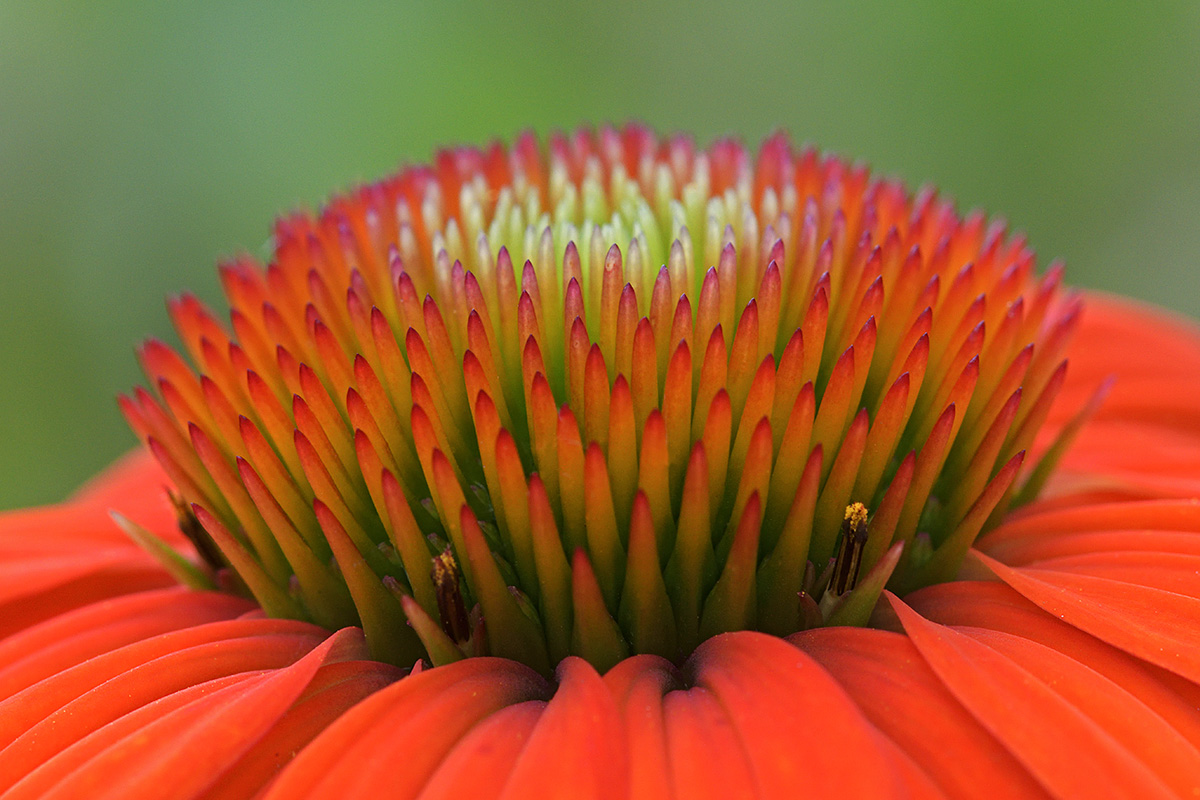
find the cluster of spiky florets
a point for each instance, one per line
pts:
(615, 397)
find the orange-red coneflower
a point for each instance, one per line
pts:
(619, 468)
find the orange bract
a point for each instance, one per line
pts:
(646, 327)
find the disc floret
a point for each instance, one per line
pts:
(613, 398)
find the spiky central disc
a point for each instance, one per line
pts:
(612, 399)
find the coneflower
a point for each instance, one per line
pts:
(514, 406)
(626, 408)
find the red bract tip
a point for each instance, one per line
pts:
(646, 434)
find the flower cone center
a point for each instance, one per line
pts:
(613, 397)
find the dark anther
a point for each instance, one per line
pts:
(191, 528)
(451, 606)
(854, 538)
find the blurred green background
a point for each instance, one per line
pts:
(142, 141)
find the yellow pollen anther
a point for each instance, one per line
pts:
(854, 538)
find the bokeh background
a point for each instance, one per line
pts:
(142, 141)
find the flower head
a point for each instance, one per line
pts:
(610, 464)
(615, 399)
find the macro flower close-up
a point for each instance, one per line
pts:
(620, 465)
